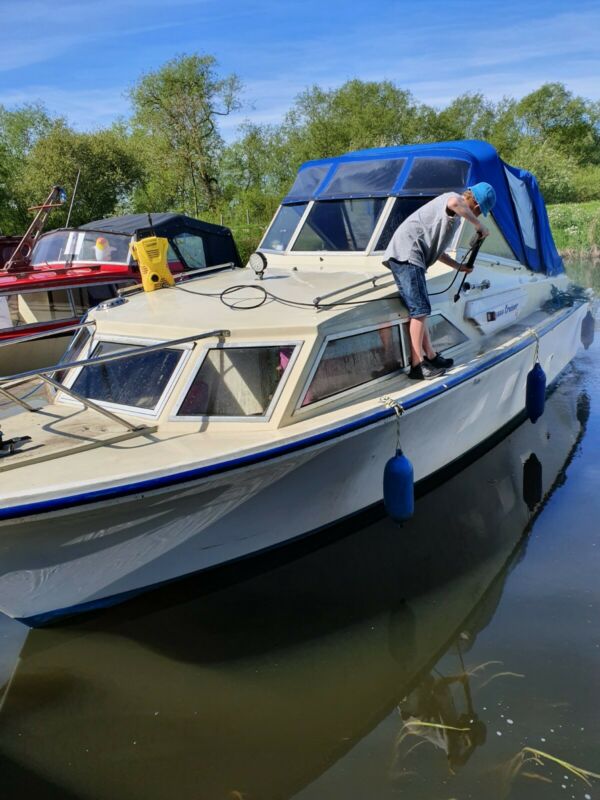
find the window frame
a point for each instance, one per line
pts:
(334, 253)
(434, 191)
(402, 333)
(60, 321)
(488, 257)
(238, 345)
(389, 208)
(361, 193)
(178, 252)
(73, 261)
(147, 413)
(307, 206)
(436, 313)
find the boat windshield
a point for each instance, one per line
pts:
(340, 225)
(61, 247)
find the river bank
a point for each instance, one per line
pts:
(576, 228)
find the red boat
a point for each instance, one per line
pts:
(72, 269)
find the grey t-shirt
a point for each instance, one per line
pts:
(423, 237)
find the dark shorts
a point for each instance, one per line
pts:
(412, 287)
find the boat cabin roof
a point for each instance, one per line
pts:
(427, 170)
(163, 224)
(281, 304)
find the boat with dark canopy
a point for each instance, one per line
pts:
(73, 269)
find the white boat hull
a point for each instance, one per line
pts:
(88, 555)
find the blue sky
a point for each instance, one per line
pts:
(79, 58)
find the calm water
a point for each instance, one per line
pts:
(395, 662)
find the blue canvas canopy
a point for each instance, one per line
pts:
(429, 170)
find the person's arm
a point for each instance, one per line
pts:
(458, 205)
(450, 262)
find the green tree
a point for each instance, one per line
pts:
(20, 130)
(553, 169)
(554, 115)
(109, 171)
(358, 114)
(469, 116)
(175, 124)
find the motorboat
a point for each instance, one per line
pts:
(240, 410)
(269, 683)
(70, 270)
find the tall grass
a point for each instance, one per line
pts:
(576, 226)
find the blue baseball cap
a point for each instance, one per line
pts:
(485, 195)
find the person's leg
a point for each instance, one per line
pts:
(427, 348)
(417, 331)
(412, 288)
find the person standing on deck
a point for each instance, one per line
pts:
(417, 243)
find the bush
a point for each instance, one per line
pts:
(575, 226)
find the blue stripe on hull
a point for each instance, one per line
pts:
(85, 498)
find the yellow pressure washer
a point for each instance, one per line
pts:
(151, 256)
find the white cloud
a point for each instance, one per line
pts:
(85, 109)
(52, 29)
(437, 60)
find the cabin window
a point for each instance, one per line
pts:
(191, 248)
(403, 207)
(523, 207)
(443, 334)
(86, 297)
(283, 226)
(73, 352)
(9, 311)
(494, 245)
(351, 361)
(437, 175)
(81, 246)
(362, 178)
(236, 381)
(137, 382)
(49, 249)
(307, 181)
(30, 308)
(342, 225)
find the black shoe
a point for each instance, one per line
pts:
(424, 371)
(439, 361)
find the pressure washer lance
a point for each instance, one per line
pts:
(469, 260)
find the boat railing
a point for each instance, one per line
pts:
(46, 374)
(318, 301)
(30, 337)
(181, 277)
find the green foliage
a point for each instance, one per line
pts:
(553, 168)
(170, 155)
(357, 115)
(175, 123)
(20, 130)
(575, 226)
(553, 115)
(109, 171)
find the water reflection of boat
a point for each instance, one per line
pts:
(271, 416)
(257, 688)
